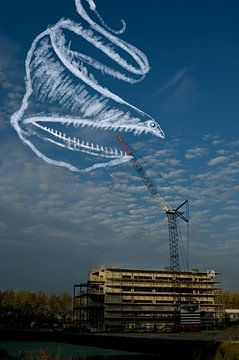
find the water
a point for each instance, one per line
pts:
(70, 351)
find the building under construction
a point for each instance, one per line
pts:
(131, 299)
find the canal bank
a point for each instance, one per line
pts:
(201, 346)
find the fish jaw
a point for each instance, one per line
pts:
(65, 133)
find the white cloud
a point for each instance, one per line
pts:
(217, 160)
(222, 217)
(11, 79)
(178, 173)
(217, 142)
(183, 96)
(174, 80)
(195, 152)
(95, 220)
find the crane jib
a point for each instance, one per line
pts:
(171, 213)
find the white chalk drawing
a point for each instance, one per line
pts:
(66, 97)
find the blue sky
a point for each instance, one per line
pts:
(56, 225)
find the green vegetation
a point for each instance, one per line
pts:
(24, 309)
(43, 355)
(231, 300)
(227, 351)
(57, 350)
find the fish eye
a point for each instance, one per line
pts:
(152, 124)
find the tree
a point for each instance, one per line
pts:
(231, 300)
(21, 309)
(65, 307)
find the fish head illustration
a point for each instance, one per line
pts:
(68, 117)
(77, 141)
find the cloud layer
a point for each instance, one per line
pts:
(56, 225)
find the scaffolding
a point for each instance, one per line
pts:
(132, 299)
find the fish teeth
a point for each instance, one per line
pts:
(136, 131)
(77, 143)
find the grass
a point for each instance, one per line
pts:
(42, 355)
(227, 351)
(48, 350)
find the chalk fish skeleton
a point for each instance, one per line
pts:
(65, 93)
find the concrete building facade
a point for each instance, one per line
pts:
(134, 299)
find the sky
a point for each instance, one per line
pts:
(55, 224)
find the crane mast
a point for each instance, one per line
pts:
(172, 214)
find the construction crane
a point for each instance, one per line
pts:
(172, 214)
